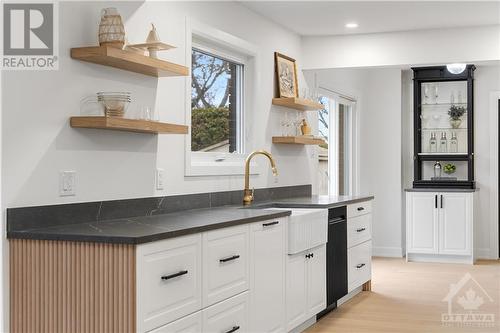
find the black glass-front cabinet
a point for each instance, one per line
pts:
(443, 127)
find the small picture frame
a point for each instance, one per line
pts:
(286, 75)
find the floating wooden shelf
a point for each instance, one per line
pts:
(130, 125)
(298, 103)
(298, 140)
(118, 58)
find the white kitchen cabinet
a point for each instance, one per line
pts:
(422, 222)
(316, 280)
(267, 276)
(305, 285)
(440, 224)
(455, 223)
(359, 265)
(228, 316)
(168, 280)
(188, 324)
(226, 263)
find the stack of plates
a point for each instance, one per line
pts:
(115, 103)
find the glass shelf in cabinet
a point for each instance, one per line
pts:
(445, 104)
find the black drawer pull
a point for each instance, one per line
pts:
(361, 208)
(360, 266)
(309, 255)
(360, 229)
(171, 276)
(229, 258)
(270, 224)
(234, 329)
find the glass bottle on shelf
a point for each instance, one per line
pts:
(452, 97)
(437, 170)
(433, 143)
(460, 99)
(453, 143)
(443, 143)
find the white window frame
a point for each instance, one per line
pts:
(220, 43)
(333, 147)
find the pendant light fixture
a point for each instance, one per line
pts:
(456, 68)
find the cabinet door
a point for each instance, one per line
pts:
(296, 290)
(225, 263)
(188, 324)
(168, 281)
(455, 223)
(316, 280)
(422, 222)
(227, 316)
(267, 276)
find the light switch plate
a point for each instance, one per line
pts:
(67, 183)
(160, 174)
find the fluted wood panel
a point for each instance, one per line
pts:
(70, 287)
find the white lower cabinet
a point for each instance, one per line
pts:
(267, 276)
(188, 324)
(168, 280)
(227, 316)
(305, 285)
(439, 224)
(359, 266)
(225, 263)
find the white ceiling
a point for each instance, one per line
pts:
(309, 18)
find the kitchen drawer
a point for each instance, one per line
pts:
(168, 281)
(225, 263)
(359, 229)
(228, 316)
(359, 268)
(188, 324)
(360, 208)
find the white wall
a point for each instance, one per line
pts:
(378, 103)
(38, 142)
(438, 46)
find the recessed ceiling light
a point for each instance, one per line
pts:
(351, 25)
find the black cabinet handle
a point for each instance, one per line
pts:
(359, 266)
(270, 224)
(361, 208)
(171, 276)
(309, 255)
(441, 201)
(312, 255)
(229, 258)
(360, 229)
(436, 201)
(234, 329)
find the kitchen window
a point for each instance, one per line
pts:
(220, 98)
(216, 103)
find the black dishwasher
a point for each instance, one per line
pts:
(336, 258)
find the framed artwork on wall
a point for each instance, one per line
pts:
(286, 75)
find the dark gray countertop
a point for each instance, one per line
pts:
(463, 190)
(138, 230)
(319, 201)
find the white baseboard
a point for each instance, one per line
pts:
(483, 253)
(393, 252)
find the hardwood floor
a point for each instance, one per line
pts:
(408, 297)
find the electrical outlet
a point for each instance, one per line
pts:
(160, 174)
(67, 183)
